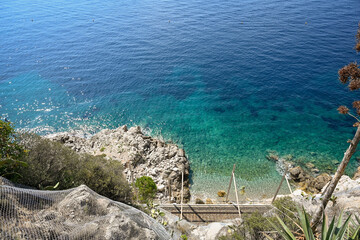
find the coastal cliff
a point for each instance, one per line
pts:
(141, 155)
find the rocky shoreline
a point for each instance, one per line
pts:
(143, 155)
(140, 154)
(309, 180)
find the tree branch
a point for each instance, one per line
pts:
(334, 181)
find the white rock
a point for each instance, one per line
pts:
(161, 187)
(148, 156)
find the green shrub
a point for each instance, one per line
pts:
(336, 230)
(255, 224)
(51, 162)
(287, 210)
(252, 227)
(146, 188)
(184, 237)
(11, 153)
(236, 233)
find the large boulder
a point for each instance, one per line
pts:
(78, 213)
(319, 182)
(298, 174)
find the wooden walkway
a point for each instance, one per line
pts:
(213, 212)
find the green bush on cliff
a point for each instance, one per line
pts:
(146, 188)
(11, 153)
(51, 162)
(252, 227)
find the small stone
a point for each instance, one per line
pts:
(310, 165)
(135, 129)
(199, 201)
(315, 170)
(272, 156)
(166, 173)
(172, 154)
(181, 153)
(161, 187)
(124, 128)
(208, 201)
(173, 175)
(221, 193)
(160, 144)
(153, 172)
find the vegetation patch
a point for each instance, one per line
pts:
(146, 189)
(51, 162)
(11, 152)
(256, 225)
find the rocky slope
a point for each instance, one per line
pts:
(346, 198)
(77, 213)
(141, 155)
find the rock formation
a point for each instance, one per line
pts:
(141, 155)
(346, 197)
(307, 182)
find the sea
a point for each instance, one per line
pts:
(229, 81)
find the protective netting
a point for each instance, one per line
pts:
(77, 213)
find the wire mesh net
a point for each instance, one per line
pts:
(77, 213)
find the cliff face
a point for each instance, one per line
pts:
(141, 155)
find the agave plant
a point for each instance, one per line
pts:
(337, 230)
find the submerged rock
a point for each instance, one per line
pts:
(141, 155)
(272, 156)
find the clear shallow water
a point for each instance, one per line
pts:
(226, 80)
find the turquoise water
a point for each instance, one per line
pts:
(227, 81)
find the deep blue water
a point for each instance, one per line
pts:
(226, 80)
